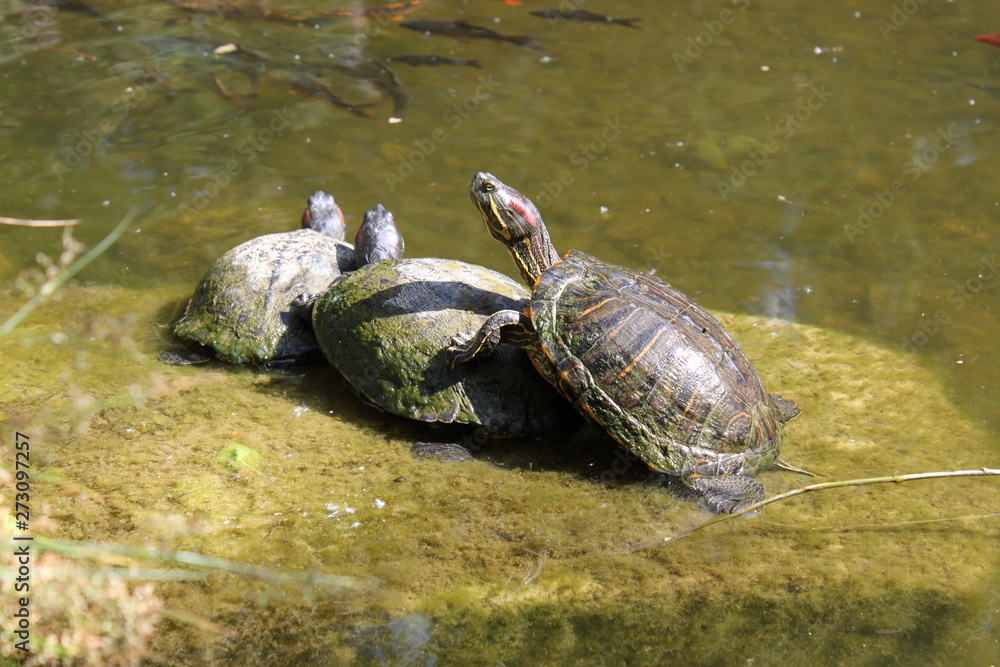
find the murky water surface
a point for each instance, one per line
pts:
(822, 164)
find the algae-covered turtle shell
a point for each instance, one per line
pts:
(242, 308)
(386, 327)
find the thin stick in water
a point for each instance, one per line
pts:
(30, 222)
(819, 487)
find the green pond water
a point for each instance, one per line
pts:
(817, 174)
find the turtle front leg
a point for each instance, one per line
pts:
(302, 305)
(730, 493)
(504, 326)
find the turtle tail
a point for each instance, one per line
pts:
(787, 410)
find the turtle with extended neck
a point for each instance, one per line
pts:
(635, 356)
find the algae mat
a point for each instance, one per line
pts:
(535, 551)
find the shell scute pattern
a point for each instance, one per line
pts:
(628, 345)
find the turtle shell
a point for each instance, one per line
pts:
(387, 327)
(654, 369)
(242, 308)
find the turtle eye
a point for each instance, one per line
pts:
(489, 187)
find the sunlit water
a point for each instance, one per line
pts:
(823, 163)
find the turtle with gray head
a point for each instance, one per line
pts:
(387, 325)
(242, 311)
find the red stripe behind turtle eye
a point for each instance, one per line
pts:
(520, 208)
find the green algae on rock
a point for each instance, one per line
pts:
(532, 540)
(242, 308)
(237, 458)
(386, 328)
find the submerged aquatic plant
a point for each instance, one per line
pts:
(96, 602)
(57, 274)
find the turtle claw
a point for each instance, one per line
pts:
(458, 352)
(302, 305)
(727, 494)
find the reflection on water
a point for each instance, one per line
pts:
(827, 165)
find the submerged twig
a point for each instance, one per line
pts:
(825, 485)
(199, 622)
(72, 52)
(30, 222)
(52, 285)
(539, 565)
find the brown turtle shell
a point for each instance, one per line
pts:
(654, 369)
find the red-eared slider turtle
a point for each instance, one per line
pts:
(635, 356)
(242, 308)
(377, 238)
(387, 325)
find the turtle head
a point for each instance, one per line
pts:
(323, 215)
(377, 238)
(513, 219)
